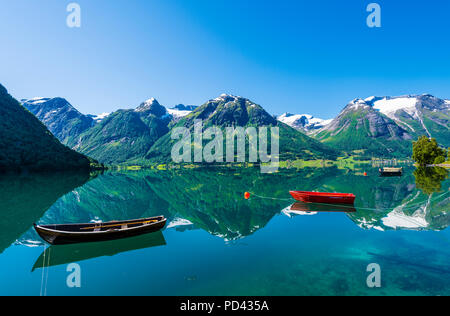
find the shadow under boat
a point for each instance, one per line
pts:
(301, 208)
(66, 254)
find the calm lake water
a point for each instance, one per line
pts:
(218, 243)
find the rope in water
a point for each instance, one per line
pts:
(411, 206)
(48, 269)
(269, 198)
(43, 270)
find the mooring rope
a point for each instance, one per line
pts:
(269, 198)
(43, 269)
(48, 270)
(411, 206)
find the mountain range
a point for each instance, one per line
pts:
(376, 126)
(381, 126)
(230, 111)
(142, 134)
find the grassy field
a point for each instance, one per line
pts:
(351, 162)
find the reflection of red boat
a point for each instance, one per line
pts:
(317, 208)
(328, 198)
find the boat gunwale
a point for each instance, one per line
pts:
(322, 194)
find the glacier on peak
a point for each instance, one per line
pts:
(305, 122)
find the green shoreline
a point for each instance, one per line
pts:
(341, 163)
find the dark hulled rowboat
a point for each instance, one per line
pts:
(327, 198)
(93, 232)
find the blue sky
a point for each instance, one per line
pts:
(287, 55)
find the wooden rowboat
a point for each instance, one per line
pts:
(93, 232)
(327, 198)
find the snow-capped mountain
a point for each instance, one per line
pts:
(387, 125)
(303, 122)
(228, 110)
(60, 117)
(181, 110)
(152, 106)
(125, 134)
(418, 114)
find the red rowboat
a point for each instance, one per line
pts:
(328, 198)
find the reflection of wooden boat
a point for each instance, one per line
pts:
(328, 198)
(91, 232)
(62, 255)
(317, 208)
(391, 172)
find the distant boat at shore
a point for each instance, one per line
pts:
(391, 172)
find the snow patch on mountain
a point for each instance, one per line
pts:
(179, 222)
(398, 219)
(227, 97)
(147, 105)
(177, 113)
(35, 101)
(100, 117)
(356, 104)
(390, 106)
(292, 213)
(305, 122)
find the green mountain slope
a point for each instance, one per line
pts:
(231, 111)
(385, 126)
(25, 143)
(25, 198)
(434, 117)
(359, 127)
(125, 134)
(60, 117)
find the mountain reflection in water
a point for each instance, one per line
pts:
(208, 219)
(212, 199)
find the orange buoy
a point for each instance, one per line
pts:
(247, 195)
(365, 174)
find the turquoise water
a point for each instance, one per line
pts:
(218, 243)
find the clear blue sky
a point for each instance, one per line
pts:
(297, 56)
